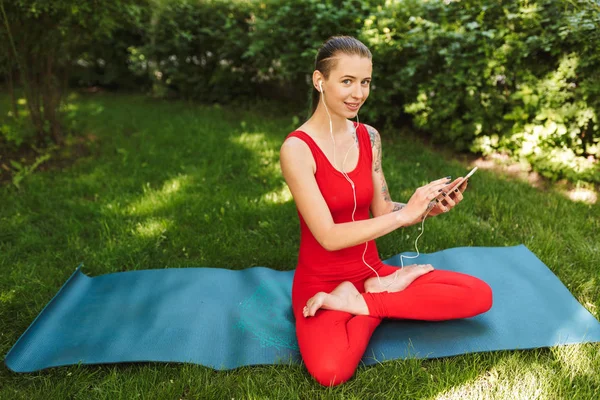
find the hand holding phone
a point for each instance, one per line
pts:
(446, 192)
(463, 180)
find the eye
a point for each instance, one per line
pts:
(346, 80)
(366, 82)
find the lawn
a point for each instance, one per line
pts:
(170, 184)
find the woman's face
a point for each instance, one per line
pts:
(348, 85)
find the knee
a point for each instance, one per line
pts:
(484, 297)
(331, 372)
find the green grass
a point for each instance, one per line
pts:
(173, 184)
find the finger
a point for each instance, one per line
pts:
(442, 208)
(450, 201)
(439, 189)
(438, 182)
(432, 204)
(455, 183)
(443, 204)
(442, 180)
(450, 191)
(462, 187)
(433, 195)
(443, 191)
(457, 195)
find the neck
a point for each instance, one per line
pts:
(321, 119)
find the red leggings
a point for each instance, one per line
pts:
(333, 342)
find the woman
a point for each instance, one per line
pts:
(341, 289)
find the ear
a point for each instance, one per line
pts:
(317, 76)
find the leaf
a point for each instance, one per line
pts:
(16, 165)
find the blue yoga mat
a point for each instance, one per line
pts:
(225, 319)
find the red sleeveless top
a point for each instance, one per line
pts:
(314, 262)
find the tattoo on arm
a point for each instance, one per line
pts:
(398, 206)
(376, 145)
(372, 134)
(384, 191)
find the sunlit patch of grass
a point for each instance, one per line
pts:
(152, 227)
(280, 196)
(505, 382)
(7, 296)
(152, 199)
(578, 361)
(251, 140)
(257, 142)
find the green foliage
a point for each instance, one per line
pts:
(22, 171)
(285, 36)
(40, 39)
(14, 132)
(107, 60)
(196, 49)
(519, 77)
(184, 48)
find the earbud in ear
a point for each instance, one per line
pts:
(321, 85)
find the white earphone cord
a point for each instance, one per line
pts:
(354, 194)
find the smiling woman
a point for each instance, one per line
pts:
(341, 289)
(359, 73)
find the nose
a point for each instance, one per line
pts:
(357, 92)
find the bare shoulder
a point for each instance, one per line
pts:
(294, 152)
(293, 145)
(373, 135)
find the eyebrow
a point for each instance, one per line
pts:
(353, 77)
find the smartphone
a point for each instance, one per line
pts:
(441, 196)
(466, 177)
(459, 183)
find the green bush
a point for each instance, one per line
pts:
(519, 77)
(40, 40)
(196, 50)
(285, 37)
(109, 61)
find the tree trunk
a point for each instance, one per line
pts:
(11, 90)
(152, 61)
(31, 85)
(51, 101)
(12, 52)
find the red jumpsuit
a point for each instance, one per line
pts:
(333, 342)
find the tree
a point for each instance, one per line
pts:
(41, 41)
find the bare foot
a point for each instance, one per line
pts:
(397, 281)
(345, 297)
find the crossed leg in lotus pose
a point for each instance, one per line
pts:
(345, 297)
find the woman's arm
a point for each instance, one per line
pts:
(297, 166)
(382, 202)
